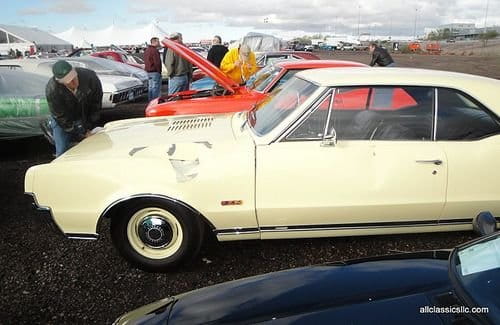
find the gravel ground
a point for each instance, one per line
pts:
(46, 279)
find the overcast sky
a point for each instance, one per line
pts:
(201, 19)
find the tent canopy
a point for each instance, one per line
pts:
(30, 36)
(112, 35)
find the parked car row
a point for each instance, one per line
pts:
(121, 83)
(22, 90)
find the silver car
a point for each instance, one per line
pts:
(120, 83)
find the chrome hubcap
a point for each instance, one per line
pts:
(155, 232)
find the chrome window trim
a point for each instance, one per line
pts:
(436, 106)
(330, 109)
(298, 122)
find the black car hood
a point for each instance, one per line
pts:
(306, 293)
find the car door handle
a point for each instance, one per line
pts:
(435, 162)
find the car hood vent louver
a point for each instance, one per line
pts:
(190, 124)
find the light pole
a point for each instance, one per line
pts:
(415, 26)
(359, 18)
(486, 14)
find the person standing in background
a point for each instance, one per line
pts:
(152, 65)
(217, 51)
(180, 71)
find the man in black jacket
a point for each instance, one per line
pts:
(217, 51)
(74, 96)
(380, 56)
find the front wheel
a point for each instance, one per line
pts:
(155, 235)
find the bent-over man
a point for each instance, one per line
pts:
(74, 96)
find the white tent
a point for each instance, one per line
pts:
(112, 35)
(23, 38)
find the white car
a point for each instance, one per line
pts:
(333, 152)
(119, 84)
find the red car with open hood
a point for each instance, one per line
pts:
(228, 96)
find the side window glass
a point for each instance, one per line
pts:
(383, 113)
(313, 127)
(462, 118)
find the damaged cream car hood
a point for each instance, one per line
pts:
(180, 137)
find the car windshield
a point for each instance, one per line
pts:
(279, 104)
(477, 268)
(263, 78)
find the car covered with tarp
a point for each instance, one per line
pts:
(22, 104)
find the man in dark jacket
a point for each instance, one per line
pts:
(180, 71)
(217, 51)
(74, 96)
(380, 56)
(152, 65)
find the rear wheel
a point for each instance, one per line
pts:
(155, 235)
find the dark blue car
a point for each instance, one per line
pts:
(460, 286)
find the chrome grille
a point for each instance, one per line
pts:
(191, 123)
(125, 95)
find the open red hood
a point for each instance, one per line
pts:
(206, 66)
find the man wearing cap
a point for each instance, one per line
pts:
(180, 71)
(239, 64)
(74, 96)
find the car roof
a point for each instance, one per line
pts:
(482, 88)
(308, 64)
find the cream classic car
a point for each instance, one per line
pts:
(335, 152)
